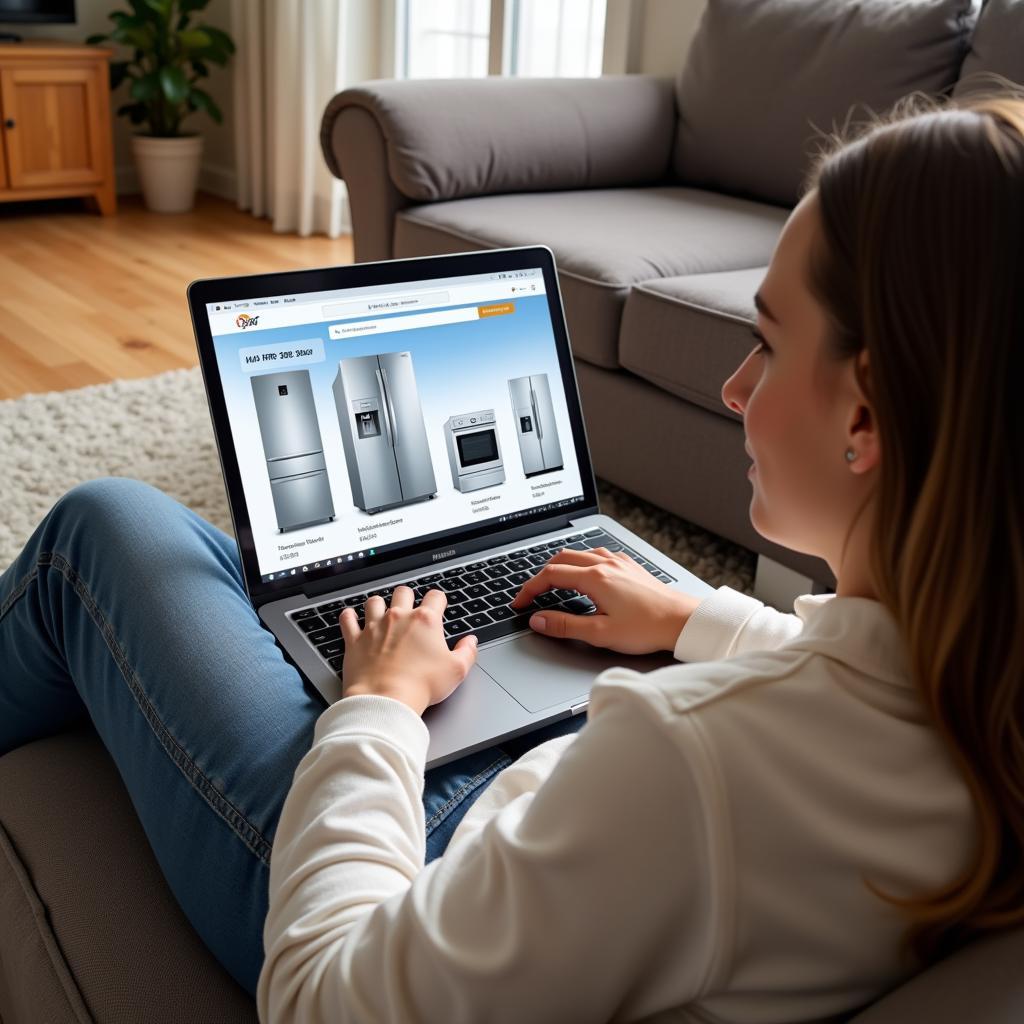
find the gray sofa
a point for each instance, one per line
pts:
(662, 202)
(660, 254)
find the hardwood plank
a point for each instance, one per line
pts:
(41, 346)
(89, 299)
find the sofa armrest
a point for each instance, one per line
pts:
(401, 142)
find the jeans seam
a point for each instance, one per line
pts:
(18, 590)
(460, 794)
(217, 801)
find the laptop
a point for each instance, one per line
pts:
(414, 421)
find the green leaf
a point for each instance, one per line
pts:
(220, 38)
(162, 7)
(174, 83)
(194, 39)
(218, 57)
(146, 88)
(138, 38)
(200, 100)
(192, 5)
(93, 40)
(200, 68)
(122, 20)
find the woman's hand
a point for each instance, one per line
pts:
(636, 614)
(401, 652)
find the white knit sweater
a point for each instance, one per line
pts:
(699, 851)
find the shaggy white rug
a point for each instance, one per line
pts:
(158, 430)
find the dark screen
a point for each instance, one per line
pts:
(477, 447)
(37, 10)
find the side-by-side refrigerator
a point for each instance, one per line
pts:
(293, 449)
(382, 431)
(535, 424)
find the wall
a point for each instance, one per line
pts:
(218, 174)
(667, 26)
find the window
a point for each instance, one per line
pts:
(563, 38)
(473, 38)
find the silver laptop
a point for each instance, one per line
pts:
(414, 421)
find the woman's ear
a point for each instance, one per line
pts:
(862, 431)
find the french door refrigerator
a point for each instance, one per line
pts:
(535, 424)
(293, 449)
(382, 431)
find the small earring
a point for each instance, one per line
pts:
(850, 455)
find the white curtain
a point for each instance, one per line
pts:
(288, 64)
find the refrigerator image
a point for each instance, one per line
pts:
(293, 449)
(535, 424)
(382, 431)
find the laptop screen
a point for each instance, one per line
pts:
(366, 421)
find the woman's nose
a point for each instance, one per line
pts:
(734, 395)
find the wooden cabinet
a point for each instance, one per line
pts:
(55, 116)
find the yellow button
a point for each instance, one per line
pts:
(500, 309)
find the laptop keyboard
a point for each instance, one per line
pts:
(479, 595)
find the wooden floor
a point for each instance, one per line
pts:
(86, 299)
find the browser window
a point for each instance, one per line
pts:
(364, 420)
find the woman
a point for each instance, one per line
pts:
(781, 829)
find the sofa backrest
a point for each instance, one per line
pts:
(997, 48)
(764, 79)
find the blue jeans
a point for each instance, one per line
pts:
(128, 608)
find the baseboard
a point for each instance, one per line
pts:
(223, 182)
(220, 181)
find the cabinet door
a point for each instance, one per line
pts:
(52, 126)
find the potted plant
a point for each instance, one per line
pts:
(169, 56)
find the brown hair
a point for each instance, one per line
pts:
(921, 263)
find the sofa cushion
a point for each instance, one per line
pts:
(90, 929)
(997, 48)
(604, 241)
(762, 80)
(688, 334)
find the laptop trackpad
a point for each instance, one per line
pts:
(540, 671)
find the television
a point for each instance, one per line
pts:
(27, 11)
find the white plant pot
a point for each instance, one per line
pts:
(168, 171)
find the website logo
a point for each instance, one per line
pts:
(442, 554)
(243, 320)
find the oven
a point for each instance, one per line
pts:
(474, 450)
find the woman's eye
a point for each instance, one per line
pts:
(762, 345)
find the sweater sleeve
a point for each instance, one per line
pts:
(728, 623)
(611, 852)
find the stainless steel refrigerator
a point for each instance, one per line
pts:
(293, 449)
(535, 424)
(382, 431)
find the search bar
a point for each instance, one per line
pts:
(384, 304)
(403, 323)
(415, 320)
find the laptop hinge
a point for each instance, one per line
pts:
(582, 706)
